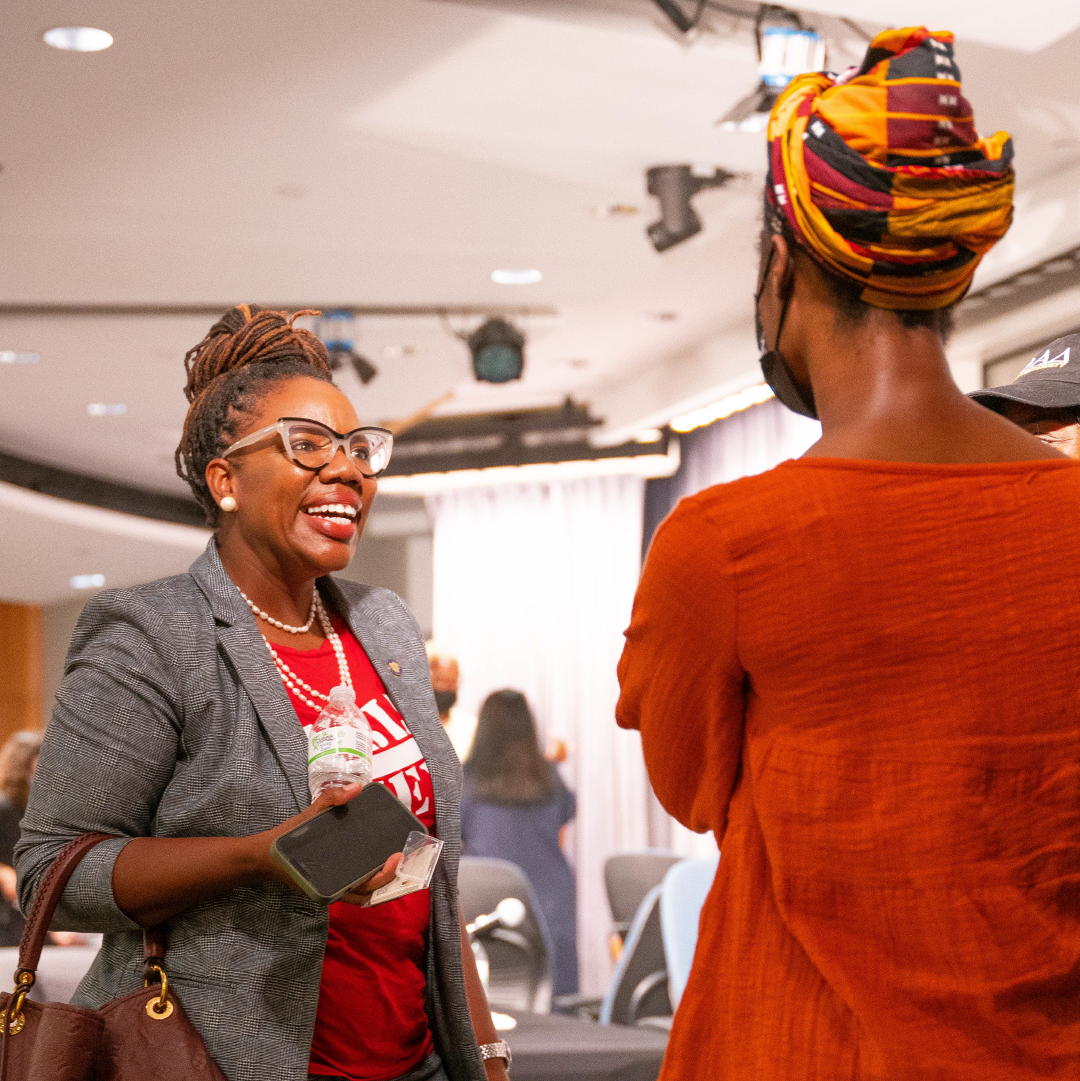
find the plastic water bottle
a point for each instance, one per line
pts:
(339, 744)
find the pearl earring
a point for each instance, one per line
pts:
(228, 504)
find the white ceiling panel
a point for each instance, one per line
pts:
(1007, 25)
(572, 102)
(47, 541)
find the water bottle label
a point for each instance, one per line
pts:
(341, 739)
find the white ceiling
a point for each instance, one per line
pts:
(48, 541)
(396, 152)
(1005, 25)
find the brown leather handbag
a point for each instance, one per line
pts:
(141, 1035)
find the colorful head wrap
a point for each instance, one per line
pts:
(882, 176)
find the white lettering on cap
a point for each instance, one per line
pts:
(1036, 364)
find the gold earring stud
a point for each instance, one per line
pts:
(228, 504)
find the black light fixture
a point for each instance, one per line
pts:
(674, 186)
(498, 352)
(336, 330)
(682, 20)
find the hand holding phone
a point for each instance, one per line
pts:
(331, 797)
(349, 846)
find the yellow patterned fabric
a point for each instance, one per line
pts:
(882, 176)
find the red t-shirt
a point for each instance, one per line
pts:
(371, 1024)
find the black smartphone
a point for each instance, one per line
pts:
(341, 847)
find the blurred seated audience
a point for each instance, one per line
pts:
(1044, 399)
(515, 807)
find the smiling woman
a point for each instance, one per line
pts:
(178, 731)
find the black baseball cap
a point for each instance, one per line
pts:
(1050, 380)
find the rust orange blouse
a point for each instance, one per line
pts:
(865, 678)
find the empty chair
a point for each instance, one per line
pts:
(639, 985)
(682, 895)
(519, 958)
(629, 876)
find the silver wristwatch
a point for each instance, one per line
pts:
(499, 1049)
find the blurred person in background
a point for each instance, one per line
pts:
(18, 759)
(1044, 399)
(178, 730)
(860, 669)
(445, 680)
(515, 807)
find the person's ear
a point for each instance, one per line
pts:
(221, 480)
(782, 268)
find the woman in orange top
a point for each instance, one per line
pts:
(861, 670)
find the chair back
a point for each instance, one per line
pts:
(628, 877)
(639, 985)
(519, 958)
(682, 896)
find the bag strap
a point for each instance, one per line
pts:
(48, 897)
(155, 942)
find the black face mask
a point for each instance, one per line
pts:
(444, 701)
(773, 365)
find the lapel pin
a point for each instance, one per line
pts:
(395, 668)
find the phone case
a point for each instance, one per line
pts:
(341, 847)
(415, 871)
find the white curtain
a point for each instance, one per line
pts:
(533, 586)
(743, 444)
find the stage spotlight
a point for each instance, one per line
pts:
(336, 330)
(498, 352)
(785, 48)
(674, 186)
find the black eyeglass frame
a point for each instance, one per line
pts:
(340, 441)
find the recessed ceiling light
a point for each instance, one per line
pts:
(88, 581)
(515, 277)
(9, 356)
(78, 39)
(106, 409)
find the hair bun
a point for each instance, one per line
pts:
(250, 334)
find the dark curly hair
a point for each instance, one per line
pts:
(249, 350)
(846, 293)
(505, 765)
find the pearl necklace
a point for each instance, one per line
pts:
(293, 682)
(277, 623)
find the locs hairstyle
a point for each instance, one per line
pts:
(249, 350)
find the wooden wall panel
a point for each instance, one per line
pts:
(21, 668)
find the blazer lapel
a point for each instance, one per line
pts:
(246, 648)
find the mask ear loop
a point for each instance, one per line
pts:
(759, 330)
(757, 302)
(773, 366)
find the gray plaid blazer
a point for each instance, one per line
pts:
(172, 722)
